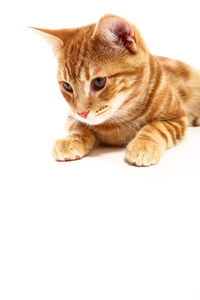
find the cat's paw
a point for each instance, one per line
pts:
(69, 149)
(143, 153)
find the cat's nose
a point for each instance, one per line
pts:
(83, 114)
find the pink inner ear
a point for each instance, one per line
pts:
(124, 33)
(117, 31)
(122, 29)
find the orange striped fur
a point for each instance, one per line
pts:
(146, 103)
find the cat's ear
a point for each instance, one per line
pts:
(116, 31)
(51, 37)
(56, 38)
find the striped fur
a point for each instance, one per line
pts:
(147, 102)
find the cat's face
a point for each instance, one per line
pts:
(95, 87)
(100, 68)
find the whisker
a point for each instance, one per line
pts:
(101, 112)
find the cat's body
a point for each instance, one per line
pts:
(183, 81)
(120, 94)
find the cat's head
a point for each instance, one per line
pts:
(100, 67)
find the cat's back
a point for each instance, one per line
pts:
(176, 72)
(185, 80)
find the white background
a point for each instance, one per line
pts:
(97, 228)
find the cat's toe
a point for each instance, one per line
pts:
(68, 149)
(143, 153)
(196, 122)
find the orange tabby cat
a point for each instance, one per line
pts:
(119, 93)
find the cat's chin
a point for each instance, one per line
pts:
(92, 122)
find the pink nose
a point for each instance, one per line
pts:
(83, 114)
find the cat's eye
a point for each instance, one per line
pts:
(67, 86)
(99, 83)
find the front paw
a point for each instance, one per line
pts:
(143, 153)
(69, 149)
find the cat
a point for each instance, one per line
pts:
(119, 93)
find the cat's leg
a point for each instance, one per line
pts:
(78, 143)
(153, 139)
